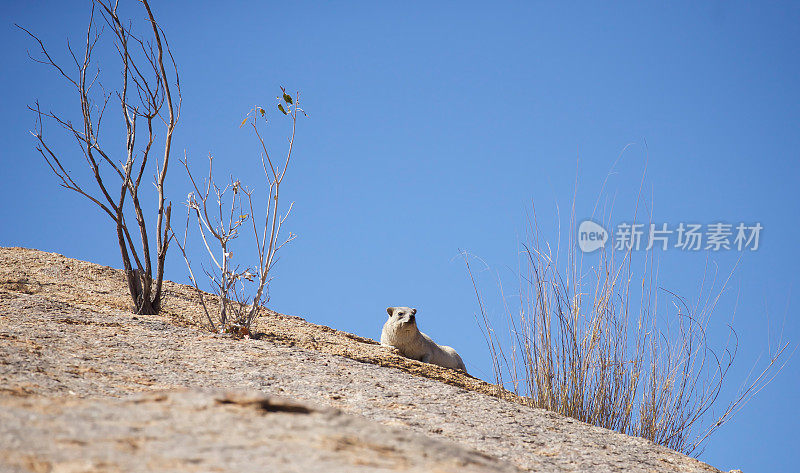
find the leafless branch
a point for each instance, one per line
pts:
(220, 214)
(153, 87)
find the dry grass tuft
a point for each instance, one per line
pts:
(580, 344)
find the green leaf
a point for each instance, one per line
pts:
(262, 111)
(283, 110)
(287, 98)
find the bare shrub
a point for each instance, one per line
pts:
(145, 97)
(222, 213)
(580, 344)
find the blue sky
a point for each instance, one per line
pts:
(432, 129)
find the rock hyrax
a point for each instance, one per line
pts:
(401, 332)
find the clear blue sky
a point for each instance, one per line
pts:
(433, 128)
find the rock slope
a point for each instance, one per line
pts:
(87, 386)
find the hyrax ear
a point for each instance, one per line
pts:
(413, 311)
(390, 310)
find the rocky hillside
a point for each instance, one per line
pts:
(87, 386)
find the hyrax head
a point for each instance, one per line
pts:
(402, 315)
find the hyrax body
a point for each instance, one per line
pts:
(401, 332)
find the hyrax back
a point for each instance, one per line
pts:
(401, 332)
